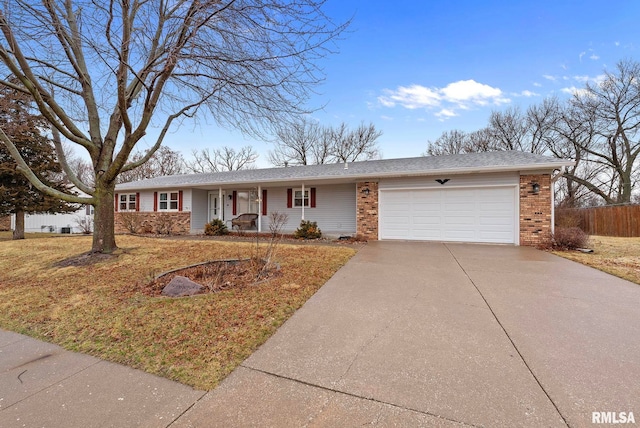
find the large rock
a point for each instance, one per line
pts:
(181, 286)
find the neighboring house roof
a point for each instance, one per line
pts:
(425, 165)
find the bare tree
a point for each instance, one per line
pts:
(102, 73)
(222, 159)
(611, 108)
(354, 145)
(299, 144)
(449, 143)
(163, 162)
(308, 143)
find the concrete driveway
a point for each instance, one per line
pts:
(432, 334)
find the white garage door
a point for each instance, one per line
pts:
(467, 215)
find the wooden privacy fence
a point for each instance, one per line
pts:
(621, 220)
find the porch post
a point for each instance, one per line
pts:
(220, 204)
(259, 208)
(302, 201)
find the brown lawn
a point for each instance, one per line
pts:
(100, 309)
(617, 256)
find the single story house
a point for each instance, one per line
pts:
(494, 197)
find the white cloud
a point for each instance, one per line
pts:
(537, 85)
(526, 93)
(383, 117)
(617, 43)
(594, 57)
(470, 91)
(572, 90)
(581, 55)
(446, 113)
(411, 97)
(550, 77)
(460, 95)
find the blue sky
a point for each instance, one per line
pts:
(418, 68)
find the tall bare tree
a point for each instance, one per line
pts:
(103, 73)
(222, 159)
(611, 109)
(449, 143)
(300, 143)
(308, 143)
(360, 143)
(163, 162)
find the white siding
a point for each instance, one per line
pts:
(508, 178)
(198, 202)
(146, 200)
(52, 222)
(335, 210)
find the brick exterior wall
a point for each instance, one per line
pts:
(367, 211)
(5, 223)
(535, 210)
(163, 223)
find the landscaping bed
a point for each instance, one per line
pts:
(217, 275)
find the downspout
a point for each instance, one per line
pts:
(553, 197)
(220, 204)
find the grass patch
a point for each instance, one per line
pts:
(617, 256)
(99, 308)
(8, 235)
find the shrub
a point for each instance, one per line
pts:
(567, 218)
(308, 230)
(85, 224)
(130, 221)
(164, 225)
(569, 238)
(215, 227)
(277, 221)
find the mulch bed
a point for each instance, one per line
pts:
(216, 276)
(250, 236)
(85, 259)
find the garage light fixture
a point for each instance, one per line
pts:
(536, 188)
(366, 191)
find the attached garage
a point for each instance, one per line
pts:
(465, 214)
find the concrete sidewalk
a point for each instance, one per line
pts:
(42, 385)
(405, 334)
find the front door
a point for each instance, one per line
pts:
(215, 206)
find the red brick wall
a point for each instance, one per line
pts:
(5, 223)
(535, 210)
(164, 223)
(367, 210)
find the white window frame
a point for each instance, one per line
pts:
(169, 201)
(127, 199)
(298, 199)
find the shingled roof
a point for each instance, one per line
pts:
(425, 165)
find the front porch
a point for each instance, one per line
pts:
(333, 207)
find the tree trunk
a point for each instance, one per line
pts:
(104, 240)
(18, 232)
